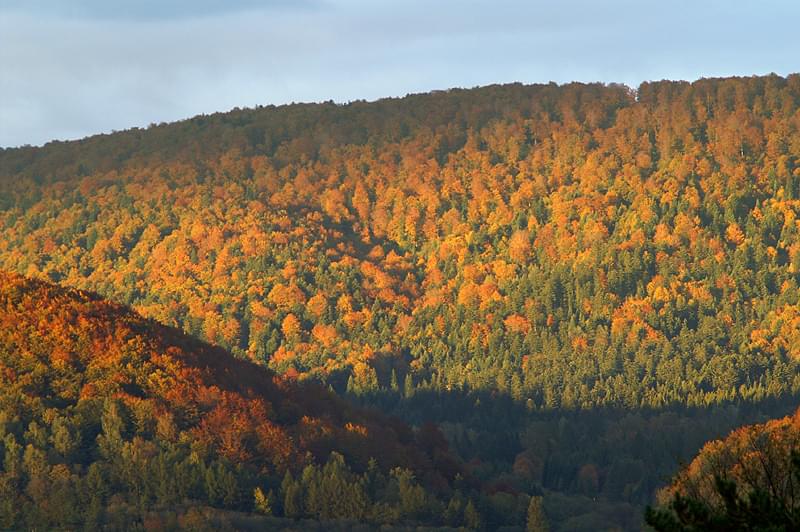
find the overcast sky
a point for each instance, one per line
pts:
(71, 68)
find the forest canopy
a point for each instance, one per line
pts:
(575, 246)
(580, 284)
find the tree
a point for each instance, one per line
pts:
(412, 496)
(291, 327)
(454, 511)
(408, 386)
(757, 509)
(519, 246)
(110, 441)
(263, 503)
(748, 481)
(536, 520)
(472, 518)
(292, 496)
(63, 440)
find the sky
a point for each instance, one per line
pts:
(72, 68)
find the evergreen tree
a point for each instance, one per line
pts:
(408, 386)
(472, 518)
(536, 520)
(262, 503)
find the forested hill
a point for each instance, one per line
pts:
(109, 420)
(289, 133)
(571, 246)
(581, 284)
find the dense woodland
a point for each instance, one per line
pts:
(108, 419)
(579, 284)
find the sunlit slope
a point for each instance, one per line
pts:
(570, 246)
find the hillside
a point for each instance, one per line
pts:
(580, 284)
(748, 480)
(105, 415)
(574, 246)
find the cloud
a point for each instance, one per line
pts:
(147, 10)
(67, 76)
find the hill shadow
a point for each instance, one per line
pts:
(613, 459)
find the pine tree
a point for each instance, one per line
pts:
(63, 440)
(452, 514)
(96, 486)
(351, 386)
(110, 441)
(293, 501)
(12, 462)
(537, 521)
(472, 518)
(262, 503)
(408, 387)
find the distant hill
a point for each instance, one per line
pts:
(105, 415)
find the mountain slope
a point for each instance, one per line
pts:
(580, 284)
(573, 246)
(100, 407)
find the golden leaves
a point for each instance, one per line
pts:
(517, 324)
(734, 234)
(291, 327)
(285, 297)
